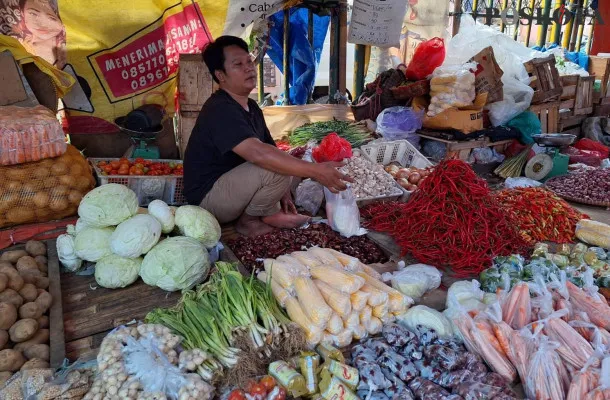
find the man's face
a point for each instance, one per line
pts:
(239, 75)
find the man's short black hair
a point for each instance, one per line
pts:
(214, 56)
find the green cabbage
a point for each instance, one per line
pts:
(195, 222)
(175, 263)
(92, 244)
(66, 254)
(108, 205)
(161, 211)
(135, 236)
(117, 272)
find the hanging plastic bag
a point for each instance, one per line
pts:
(332, 148)
(342, 213)
(397, 123)
(427, 57)
(309, 195)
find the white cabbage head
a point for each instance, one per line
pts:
(108, 205)
(66, 253)
(92, 244)
(175, 263)
(161, 211)
(135, 236)
(114, 271)
(200, 224)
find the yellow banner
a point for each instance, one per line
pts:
(123, 53)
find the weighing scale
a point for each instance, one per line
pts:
(551, 163)
(142, 125)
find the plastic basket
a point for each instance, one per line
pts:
(397, 151)
(148, 188)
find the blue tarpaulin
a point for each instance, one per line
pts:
(303, 59)
(580, 58)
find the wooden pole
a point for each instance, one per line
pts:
(333, 79)
(457, 16)
(261, 80)
(359, 72)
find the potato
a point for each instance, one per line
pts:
(41, 337)
(3, 281)
(28, 292)
(13, 255)
(8, 315)
(43, 322)
(26, 263)
(4, 377)
(10, 296)
(44, 301)
(36, 248)
(42, 263)
(35, 363)
(41, 351)
(30, 310)
(3, 338)
(30, 276)
(11, 360)
(42, 282)
(23, 330)
(15, 281)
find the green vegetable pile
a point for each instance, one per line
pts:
(355, 133)
(575, 261)
(226, 316)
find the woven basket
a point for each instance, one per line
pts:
(415, 89)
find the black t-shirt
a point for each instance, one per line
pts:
(222, 124)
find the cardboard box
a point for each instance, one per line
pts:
(488, 76)
(464, 119)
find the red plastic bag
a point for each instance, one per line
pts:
(587, 157)
(427, 57)
(332, 148)
(592, 145)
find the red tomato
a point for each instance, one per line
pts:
(237, 394)
(139, 160)
(268, 382)
(113, 172)
(101, 163)
(115, 164)
(179, 166)
(179, 172)
(257, 390)
(107, 168)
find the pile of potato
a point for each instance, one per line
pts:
(24, 306)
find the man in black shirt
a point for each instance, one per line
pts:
(232, 167)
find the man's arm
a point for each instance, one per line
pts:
(271, 158)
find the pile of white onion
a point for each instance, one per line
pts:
(409, 178)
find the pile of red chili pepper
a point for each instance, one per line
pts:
(451, 221)
(539, 215)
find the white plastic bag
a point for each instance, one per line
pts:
(521, 182)
(518, 96)
(342, 213)
(415, 280)
(451, 86)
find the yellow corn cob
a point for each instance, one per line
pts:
(312, 302)
(370, 271)
(349, 263)
(282, 273)
(375, 326)
(359, 300)
(352, 321)
(593, 232)
(305, 258)
(359, 332)
(380, 311)
(343, 281)
(343, 338)
(278, 291)
(377, 297)
(297, 315)
(335, 324)
(397, 301)
(365, 316)
(324, 256)
(290, 260)
(338, 301)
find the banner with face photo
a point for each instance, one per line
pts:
(124, 54)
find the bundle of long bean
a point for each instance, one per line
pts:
(355, 133)
(451, 220)
(513, 166)
(219, 313)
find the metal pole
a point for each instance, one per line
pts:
(578, 20)
(504, 7)
(333, 78)
(516, 33)
(359, 73)
(286, 58)
(457, 15)
(581, 30)
(261, 80)
(542, 32)
(556, 30)
(475, 7)
(567, 31)
(529, 24)
(591, 37)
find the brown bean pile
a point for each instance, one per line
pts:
(283, 241)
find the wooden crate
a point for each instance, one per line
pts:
(548, 114)
(570, 123)
(600, 67)
(461, 150)
(545, 79)
(577, 94)
(195, 86)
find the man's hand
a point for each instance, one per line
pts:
(329, 176)
(287, 204)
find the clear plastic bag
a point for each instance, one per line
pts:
(545, 377)
(451, 86)
(395, 123)
(415, 280)
(72, 381)
(521, 182)
(309, 196)
(342, 213)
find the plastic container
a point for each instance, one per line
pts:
(397, 151)
(148, 188)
